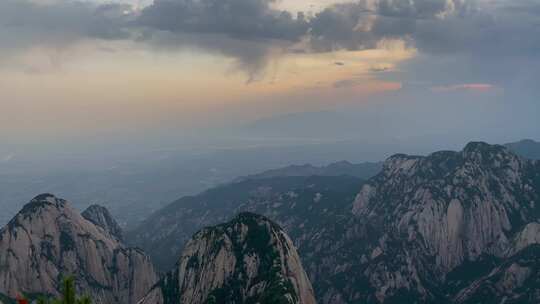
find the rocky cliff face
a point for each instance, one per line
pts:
(48, 239)
(432, 215)
(247, 260)
(101, 217)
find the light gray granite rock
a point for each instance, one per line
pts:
(49, 239)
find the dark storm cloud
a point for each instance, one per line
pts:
(53, 27)
(242, 19)
(494, 31)
(26, 22)
(246, 30)
(481, 42)
(420, 9)
(352, 26)
(251, 56)
(337, 28)
(249, 30)
(339, 25)
(362, 24)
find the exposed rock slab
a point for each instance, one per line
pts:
(101, 217)
(48, 239)
(248, 260)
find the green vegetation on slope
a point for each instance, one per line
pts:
(69, 295)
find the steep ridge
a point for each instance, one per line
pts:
(48, 239)
(288, 200)
(101, 217)
(247, 260)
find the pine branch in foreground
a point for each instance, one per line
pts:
(69, 296)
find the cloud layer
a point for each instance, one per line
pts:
(26, 23)
(251, 31)
(241, 19)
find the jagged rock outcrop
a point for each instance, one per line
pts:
(101, 217)
(438, 212)
(530, 235)
(247, 260)
(461, 205)
(48, 239)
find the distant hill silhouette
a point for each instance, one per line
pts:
(527, 148)
(342, 168)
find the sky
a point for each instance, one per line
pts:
(149, 73)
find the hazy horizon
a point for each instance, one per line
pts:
(134, 76)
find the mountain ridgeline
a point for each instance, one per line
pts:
(342, 168)
(451, 227)
(527, 148)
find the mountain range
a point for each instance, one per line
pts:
(437, 229)
(134, 186)
(450, 227)
(249, 260)
(342, 168)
